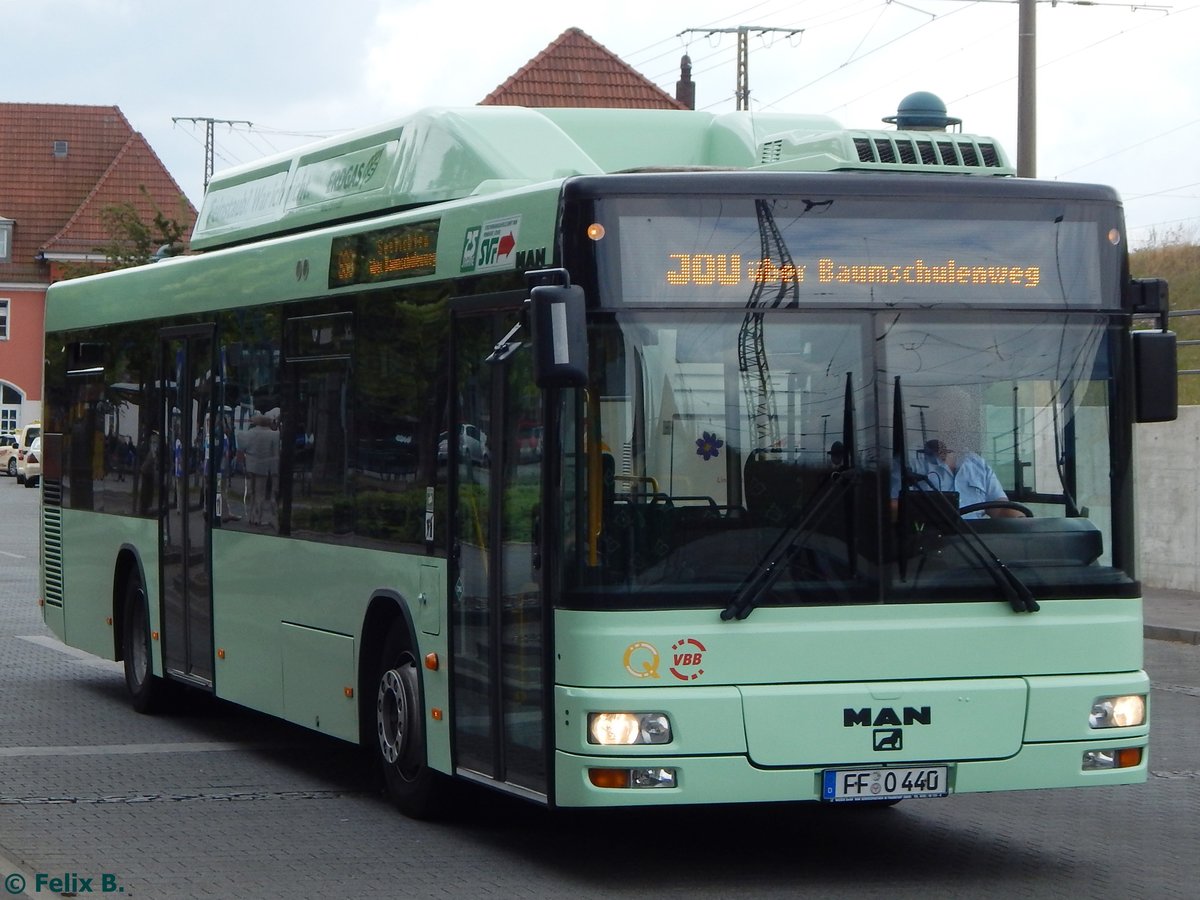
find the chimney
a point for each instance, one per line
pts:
(685, 88)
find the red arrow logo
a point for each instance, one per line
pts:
(507, 243)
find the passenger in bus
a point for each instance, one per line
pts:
(260, 444)
(148, 472)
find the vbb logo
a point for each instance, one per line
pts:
(687, 656)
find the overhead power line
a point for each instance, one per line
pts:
(208, 137)
(743, 52)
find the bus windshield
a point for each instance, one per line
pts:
(857, 455)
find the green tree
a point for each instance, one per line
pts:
(1175, 256)
(131, 240)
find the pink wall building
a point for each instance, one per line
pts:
(61, 166)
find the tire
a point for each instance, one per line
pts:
(415, 789)
(146, 690)
(12, 466)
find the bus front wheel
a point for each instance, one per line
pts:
(145, 688)
(400, 730)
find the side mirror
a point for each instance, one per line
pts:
(1155, 376)
(558, 322)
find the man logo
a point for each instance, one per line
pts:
(909, 715)
(887, 739)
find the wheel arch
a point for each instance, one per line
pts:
(385, 609)
(128, 561)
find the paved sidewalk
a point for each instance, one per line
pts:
(1171, 615)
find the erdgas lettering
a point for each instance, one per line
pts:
(351, 177)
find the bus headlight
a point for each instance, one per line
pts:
(615, 728)
(1118, 712)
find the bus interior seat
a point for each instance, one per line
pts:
(775, 489)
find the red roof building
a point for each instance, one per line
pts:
(61, 166)
(575, 70)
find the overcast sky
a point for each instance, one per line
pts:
(1118, 84)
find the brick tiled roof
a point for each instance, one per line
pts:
(575, 70)
(55, 200)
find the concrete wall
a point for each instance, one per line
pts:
(1168, 501)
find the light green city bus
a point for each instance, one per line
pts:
(625, 458)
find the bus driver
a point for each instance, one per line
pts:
(945, 463)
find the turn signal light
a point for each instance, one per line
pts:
(643, 777)
(1125, 758)
(609, 778)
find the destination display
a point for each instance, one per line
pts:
(774, 253)
(385, 254)
(730, 269)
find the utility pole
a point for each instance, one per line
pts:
(208, 137)
(1027, 75)
(1027, 89)
(743, 52)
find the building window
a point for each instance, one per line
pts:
(6, 226)
(10, 408)
(4, 304)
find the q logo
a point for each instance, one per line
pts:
(641, 660)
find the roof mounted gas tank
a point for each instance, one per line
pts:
(922, 111)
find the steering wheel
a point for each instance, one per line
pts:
(996, 504)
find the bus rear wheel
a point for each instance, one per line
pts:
(146, 690)
(411, 785)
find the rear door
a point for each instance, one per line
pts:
(186, 512)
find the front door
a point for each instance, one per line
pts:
(494, 451)
(187, 502)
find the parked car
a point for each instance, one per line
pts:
(32, 466)
(25, 437)
(472, 445)
(8, 454)
(529, 442)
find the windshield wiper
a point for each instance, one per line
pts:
(794, 537)
(1014, 590)
(790, 542)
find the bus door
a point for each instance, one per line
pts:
(493, 450)
(186, 364)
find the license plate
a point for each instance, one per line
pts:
(849, 785)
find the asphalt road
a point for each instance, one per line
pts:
(213, 801)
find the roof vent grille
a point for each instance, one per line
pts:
(886, 150)
(949, 157)
(928, 156)
(990, 157)
(771, 151)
